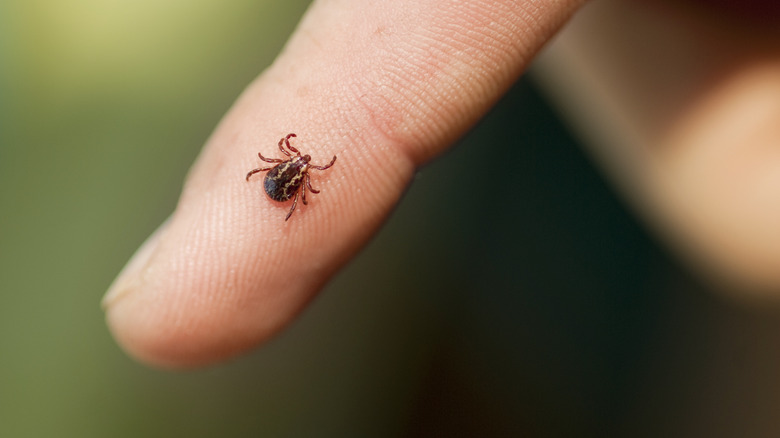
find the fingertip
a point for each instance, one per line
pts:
(212, 285)
(153, 333)
(126, 282)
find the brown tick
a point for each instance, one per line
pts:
(290, 177)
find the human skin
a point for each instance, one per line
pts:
(680, 102)
(681, 105)
(385, 86)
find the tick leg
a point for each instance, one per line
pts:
(295, 202)
(286, 141)
(324, 167)
(254, 171)
(303, 195)
(269, 160)
(308, 184)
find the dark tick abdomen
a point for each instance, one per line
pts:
(283, 181)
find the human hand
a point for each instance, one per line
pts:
(385, 87)
(680, 102)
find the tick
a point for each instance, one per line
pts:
(288, 178)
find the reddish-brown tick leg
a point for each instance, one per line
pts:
(254, 171)
(295, 202)
(286, 141)
(308, 184)
(269, 160)
(325, 167)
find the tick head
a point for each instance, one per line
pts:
(306, 158)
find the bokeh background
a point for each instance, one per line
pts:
(528, 304)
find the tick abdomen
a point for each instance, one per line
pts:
(282, 182)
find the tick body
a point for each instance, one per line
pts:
(288, 179)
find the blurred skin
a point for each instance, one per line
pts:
(684, 104)
(385, 86)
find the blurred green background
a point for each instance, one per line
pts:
(544, 311)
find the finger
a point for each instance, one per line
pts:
(384, 86)
(688, 126)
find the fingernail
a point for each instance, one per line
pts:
(130, 278)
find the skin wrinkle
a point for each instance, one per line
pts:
(389, 112)
(451, 58)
